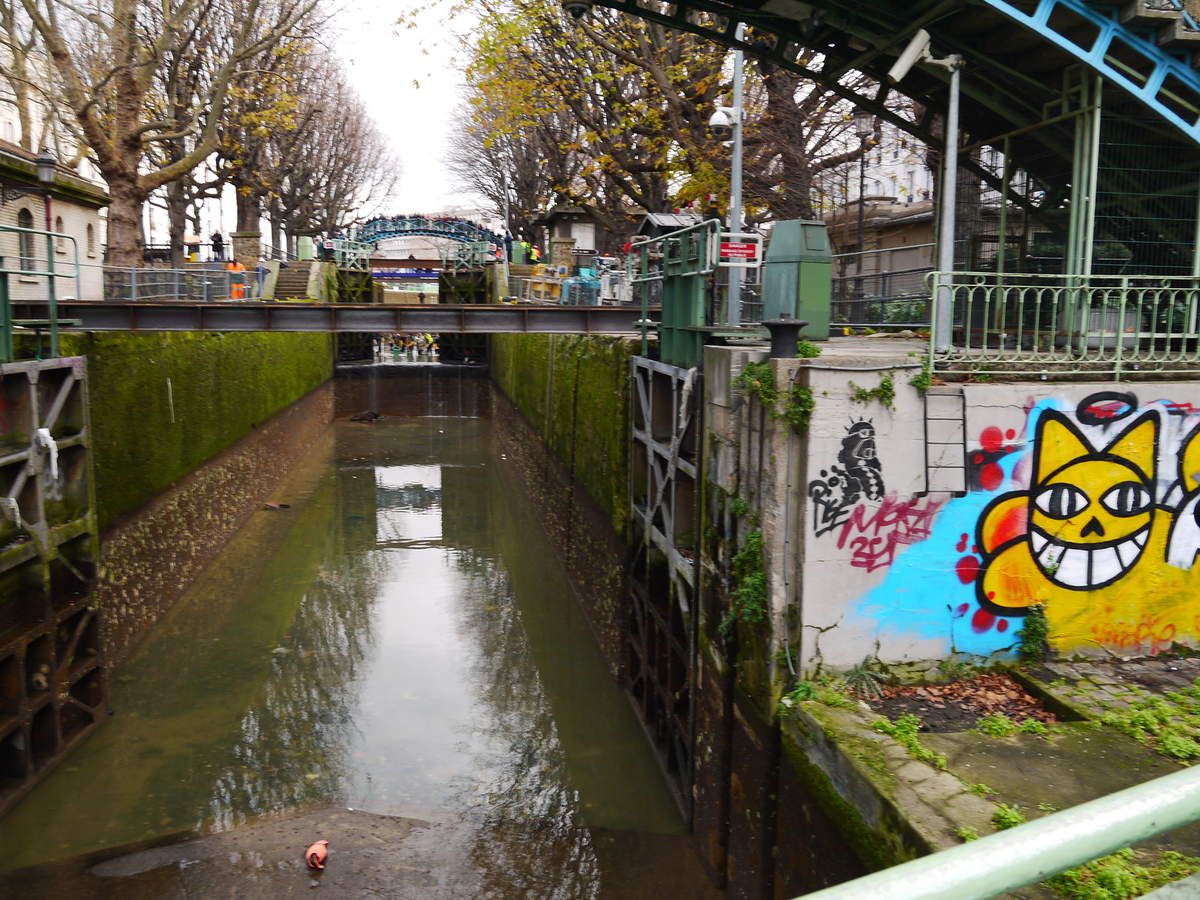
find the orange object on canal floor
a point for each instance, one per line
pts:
(316, 854)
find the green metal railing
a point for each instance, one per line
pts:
(26, 268)
(1054, 325)
(676, 266)
(352, 254)
(1007, 860)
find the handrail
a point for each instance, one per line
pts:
(636, 247)
(51, 276)
(1032, 852)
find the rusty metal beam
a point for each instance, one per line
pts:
(319, 317)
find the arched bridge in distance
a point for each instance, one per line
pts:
(383, 228)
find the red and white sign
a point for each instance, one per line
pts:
(731, 250)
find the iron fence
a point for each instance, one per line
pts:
(352, 254)
(1054, 325)
(151, 285)
(884, 288)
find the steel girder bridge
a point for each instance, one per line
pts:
(381, 228)
(110, 315)
(1097, 104)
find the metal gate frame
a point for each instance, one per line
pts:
(53, 675)
(662, 634)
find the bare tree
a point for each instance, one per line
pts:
(109, 56)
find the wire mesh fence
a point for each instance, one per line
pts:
(198, 285)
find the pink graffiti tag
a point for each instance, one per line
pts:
(874, 535)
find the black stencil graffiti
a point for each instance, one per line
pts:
(857, 476)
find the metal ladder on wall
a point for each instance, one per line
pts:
(945, 439)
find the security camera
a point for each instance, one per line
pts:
(917, 50)
(577, 9)
(723, 119)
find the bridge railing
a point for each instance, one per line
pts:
(30, 265)
(155, 285)
(1106, 325)
(352, 254)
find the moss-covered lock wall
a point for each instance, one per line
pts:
(164, 402)
(574, 390)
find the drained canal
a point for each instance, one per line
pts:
(395, 635)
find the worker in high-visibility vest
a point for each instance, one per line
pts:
(237, 280)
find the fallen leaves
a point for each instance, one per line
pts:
(958, 705)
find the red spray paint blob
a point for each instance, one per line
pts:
(982, 621)
(961, 610)
(1002, 625)
(967, 569)
(992, 439)
(991, 477)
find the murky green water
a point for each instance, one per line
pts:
(400, 640)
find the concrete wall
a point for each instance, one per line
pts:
(574, 391)
(163, 403)
(1080, 497)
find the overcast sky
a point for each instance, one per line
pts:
(411, 86)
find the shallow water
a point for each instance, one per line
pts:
(400, 639)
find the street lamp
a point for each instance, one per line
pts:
(864, 127)
(733, 307)
(46, 163)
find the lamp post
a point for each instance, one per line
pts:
(46, 163)
(864, 127)
(733, 313)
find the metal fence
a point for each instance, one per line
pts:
(1062, 325)
(883, 288)
(352, 254)
(139, 284)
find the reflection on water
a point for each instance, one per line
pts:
(399, 640)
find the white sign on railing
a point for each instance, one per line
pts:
(740, 250)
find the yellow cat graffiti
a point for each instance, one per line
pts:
(1097, 548)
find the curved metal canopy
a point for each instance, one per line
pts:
(1019, 57)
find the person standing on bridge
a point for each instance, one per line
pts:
(508, 242)
(218, 245)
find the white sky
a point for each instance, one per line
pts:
(411, 85)
(410, 82)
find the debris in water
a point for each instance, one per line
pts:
(369, 416)
(316, 853)
(277, 506)
(280, 651)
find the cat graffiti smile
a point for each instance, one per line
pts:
(1086, 565)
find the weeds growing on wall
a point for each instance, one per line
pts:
(806, 349)
(866, 679)
(798, 402)
(1170, 724)
(1006, 817)
(1126, 873)
(749, 587)
(884, 392)
(1034, 635)
(904, 731)
(923, 380)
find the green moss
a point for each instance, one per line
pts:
(221, 386)
(749, 585)
(1007, 816)
(966, 833)
(904, 730)
(1124, 874)
(996, 725)
(1169, 724)
(574, 391)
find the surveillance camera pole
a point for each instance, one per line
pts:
(733, 309)
(945, 295)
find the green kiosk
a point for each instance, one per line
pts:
(798, 276)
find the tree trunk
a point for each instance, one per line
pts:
(249, 212)
(124, 245)
(177, 215)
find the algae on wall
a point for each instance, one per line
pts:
(574, 390)
(164, 402)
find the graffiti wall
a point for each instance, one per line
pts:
(1083, 500)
